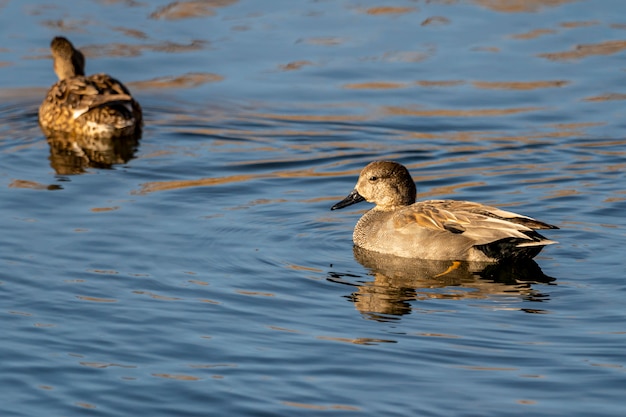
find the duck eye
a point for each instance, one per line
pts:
(373, 178)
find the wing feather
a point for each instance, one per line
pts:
(483, 224)
(83, 94)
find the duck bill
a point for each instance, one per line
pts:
(352, 198)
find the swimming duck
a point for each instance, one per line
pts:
(95, 105)
(436, 229)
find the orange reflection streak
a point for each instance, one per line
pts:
(156, 296)
(255, 293)
(101, 365)
(517, 6)
(451, 189)
(295, 65)
(449, 83)
(151, 187)
(324, 41)
(375, 85)
(571, 25)
(383, 10)
(607, 97)
(560, 193)
(84, 405)
(103, 209)
(405, 56)
(187, 9)
(32, 185)
(519, 85)
(577, 125)
(179, 377)
(128, 50)
(132, 33)
(533, 34)
(402, 111)
(282, 329)
(304, 268)
(436, 20)
(584, 51)
(66, 25)
(96, 299)
(189, 80)
(442, 335)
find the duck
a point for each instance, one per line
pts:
(436, 229)
(95, 105)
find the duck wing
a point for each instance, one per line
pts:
(82, 94)
(490, 211)
(478, 222)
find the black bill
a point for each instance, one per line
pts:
(352, 198)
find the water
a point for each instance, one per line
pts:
(200, 271)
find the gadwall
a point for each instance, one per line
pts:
(436, 229)
(95, 105)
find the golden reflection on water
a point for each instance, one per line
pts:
(65, 25)
(520, 6)
(189, 9)
(131, 33)
(96, 299)
(189, 80)
(580, 24)
(443, 83)
(323, 40)
(156, 296)
(375, 85)
(155, 186)
(436, 21)
(85, 405)
(179, 377)
(133, 50)
(295, 65)
(535, 33)
(404, 56)
(389, 10)
(33, 185)
(587, 50)
(103, 365)
(400, 281)
(607, 97)
(519, 85)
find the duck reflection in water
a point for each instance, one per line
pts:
(72, 154)
(399, 281)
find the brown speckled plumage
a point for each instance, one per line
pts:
(95, 105)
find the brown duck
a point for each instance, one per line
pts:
(95, 105)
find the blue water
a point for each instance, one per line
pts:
(201, 272)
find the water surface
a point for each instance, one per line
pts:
(199, 270)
